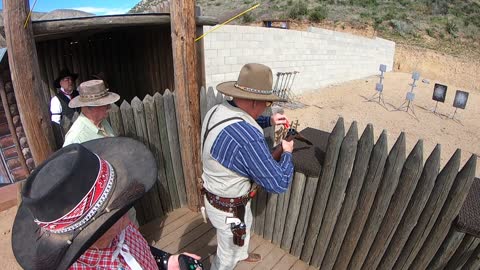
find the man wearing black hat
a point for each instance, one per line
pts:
(65, 83)
(74, 218)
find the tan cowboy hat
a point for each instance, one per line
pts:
(254, 82)
(93, 93)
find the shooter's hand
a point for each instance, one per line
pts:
(278, 119)
(287, 146)
(173, 263)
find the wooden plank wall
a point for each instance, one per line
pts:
(373, 209)
(369, 209)
(135, 62)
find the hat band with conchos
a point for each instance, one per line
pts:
(253, 90)
(94, 96)
(88, 206)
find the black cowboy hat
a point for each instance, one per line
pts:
(76, 183)
(62, 74)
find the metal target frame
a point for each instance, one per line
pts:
(378, 96)
(408, 104)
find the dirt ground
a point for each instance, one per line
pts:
(349, 100)
(6, 254)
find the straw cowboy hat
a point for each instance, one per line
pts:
(62, 74)
(75, 196)
(254, 82)
(93, 93)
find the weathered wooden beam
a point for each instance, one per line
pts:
(169, 170)
(297, 187)
(323, 189)
(187, 93)
(360, 167)
(174, 143)
(447, 249)
(390, 178)
(414, 209)
(343, 171)
(302, 221)
(154, 141)
(474, 260)
(430, 213)
(450, 210)
(70, 25)
(365, 200)
(463, 253)
(130, 131)
(26, 79)
(411, 172)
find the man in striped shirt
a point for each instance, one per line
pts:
(235, 155)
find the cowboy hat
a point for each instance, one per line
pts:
(254, 82)
(93, 93)
(62, 74)
(75, 196)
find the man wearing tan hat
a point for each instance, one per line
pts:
(235, 156)
(94, 101)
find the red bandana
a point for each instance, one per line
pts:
(102, 258)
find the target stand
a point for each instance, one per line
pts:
(439, 95)
(378, 96)
(461, 98)
(408, 103)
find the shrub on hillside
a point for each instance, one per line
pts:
(401, 27)
(364, 3)
(430, 32)
(452, 28)
(247, 18)
(318, 14)
(298, 10)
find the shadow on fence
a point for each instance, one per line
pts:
(367, 208)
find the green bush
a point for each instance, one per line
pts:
(430, 32)
(452, 28)
(318, 14)
(247, 18)
(401, 27)
(298, 10)
(364, 3)
(389, 16)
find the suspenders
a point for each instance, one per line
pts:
(207, 131)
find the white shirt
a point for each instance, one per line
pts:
(56, 108)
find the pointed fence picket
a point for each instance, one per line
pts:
(369, 208)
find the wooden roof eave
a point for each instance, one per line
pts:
(50, 29)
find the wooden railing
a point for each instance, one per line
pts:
(368, 208)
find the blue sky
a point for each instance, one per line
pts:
(98, 7)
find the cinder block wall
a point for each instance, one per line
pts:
(322, 57)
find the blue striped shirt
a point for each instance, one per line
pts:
(241, 148)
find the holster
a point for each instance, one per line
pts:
(236, 206)
(239, 231)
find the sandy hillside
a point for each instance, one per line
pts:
(348, 100)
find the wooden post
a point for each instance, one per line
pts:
(182, 14)
(25, 71)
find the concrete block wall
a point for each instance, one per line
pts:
(323, 57)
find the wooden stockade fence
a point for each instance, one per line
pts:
(368, 208)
